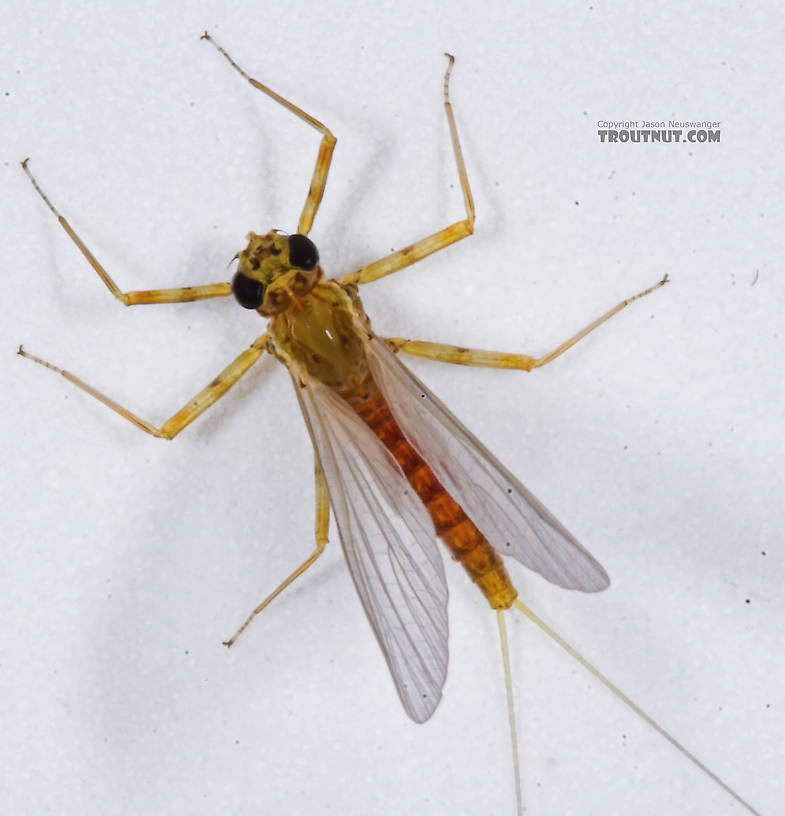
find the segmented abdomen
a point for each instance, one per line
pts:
(453, 526)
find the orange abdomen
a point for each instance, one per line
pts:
(466, 543)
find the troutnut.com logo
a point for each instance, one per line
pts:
(634, 130)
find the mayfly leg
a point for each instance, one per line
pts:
(207, 396)
(322, 525)
(190, 411)
(322, 167)
(499, 359)
(439, 240)
(177, 295)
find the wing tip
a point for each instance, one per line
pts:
(602, 584)
(424, 709)
(596, 580)
(599, 581)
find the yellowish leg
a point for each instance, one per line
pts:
(192, 409)
(630, 704)
(322, 524)
(499, 359)
(433, 243)
(319, 178)
(179, 295)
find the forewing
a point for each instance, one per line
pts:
(390, 546)
(508, 515)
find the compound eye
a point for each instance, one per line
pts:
(302, 252)
(249, 292)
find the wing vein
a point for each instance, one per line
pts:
(390, 547)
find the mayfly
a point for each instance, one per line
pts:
(397, 468)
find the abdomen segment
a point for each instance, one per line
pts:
(466, 543)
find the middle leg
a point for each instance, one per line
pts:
(190, 411)
(499, 359)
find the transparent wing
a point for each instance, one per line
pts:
(390, 546)
(508, 515)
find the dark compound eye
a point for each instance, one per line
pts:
(249, 292)
(302, 252)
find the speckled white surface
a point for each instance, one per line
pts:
(659, 441)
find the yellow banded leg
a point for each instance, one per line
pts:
(178, 295)
(191, 410)
(433, 243)
(322, 167)
(321, 527)
(499, 359)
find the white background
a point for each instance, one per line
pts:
(659, 440)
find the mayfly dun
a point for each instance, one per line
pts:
(398, 470)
